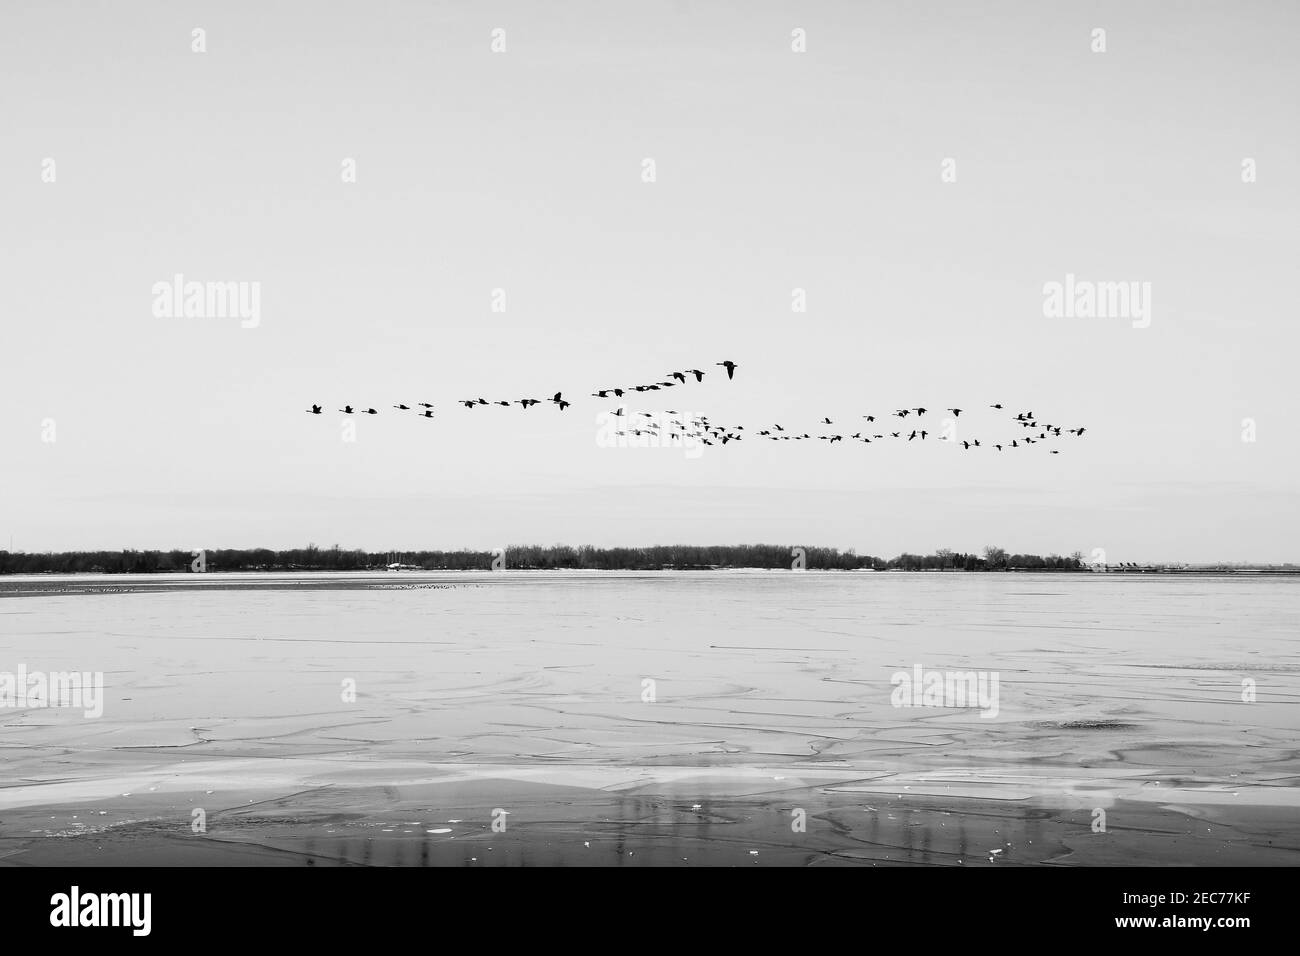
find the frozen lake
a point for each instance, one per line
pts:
(662, 717)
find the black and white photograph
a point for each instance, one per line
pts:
(683, 434)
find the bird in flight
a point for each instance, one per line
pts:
(660, 426)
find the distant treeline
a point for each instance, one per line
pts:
(312, 558)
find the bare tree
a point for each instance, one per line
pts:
(995, 557)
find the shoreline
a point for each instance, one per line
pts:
(306, 812)
(686, 569)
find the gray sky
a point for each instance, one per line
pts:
(522, 170)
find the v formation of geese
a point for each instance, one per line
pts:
(676, 426)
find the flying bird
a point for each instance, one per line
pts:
(730, 366)
(314, 410)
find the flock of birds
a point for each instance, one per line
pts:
(664, 426)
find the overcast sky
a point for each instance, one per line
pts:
(523, 170)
